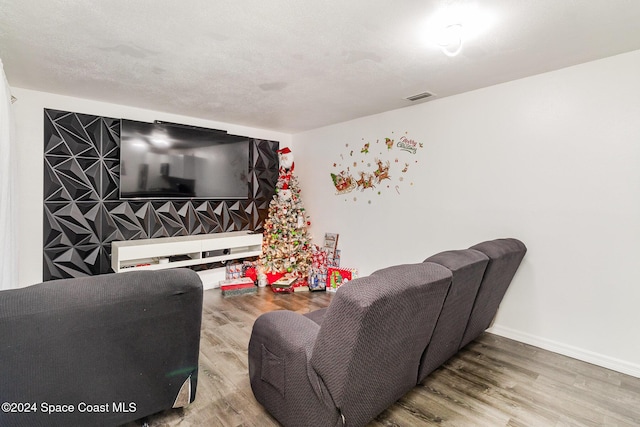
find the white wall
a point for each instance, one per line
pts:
(29, 122)
(553, 160)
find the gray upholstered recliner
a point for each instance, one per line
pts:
(481, 276)
(363, 358)
(467, 267)
(379, 337)
(110, 348)
(505, 256)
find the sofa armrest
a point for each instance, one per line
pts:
(281, 378)
(129, 337)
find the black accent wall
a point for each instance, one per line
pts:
(82, 211)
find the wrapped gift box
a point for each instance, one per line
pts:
(317, 281)
(337, 277)
(288, 290)
(300, 286)
(239, 286)
(234, 271)
(334, 261)
(273, 277)
(317, 277)
(251, 273)
(284, 285)
(319, 259)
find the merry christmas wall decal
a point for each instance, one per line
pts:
(375, 167)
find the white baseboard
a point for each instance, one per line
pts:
(618, 365)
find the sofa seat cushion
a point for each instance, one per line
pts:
(316, 315)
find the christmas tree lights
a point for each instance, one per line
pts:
(286, 244)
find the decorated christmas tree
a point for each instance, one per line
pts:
(286, 246)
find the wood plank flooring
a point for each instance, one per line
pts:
(494, 381)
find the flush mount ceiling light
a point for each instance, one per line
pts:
(450, 39)
(454, 24)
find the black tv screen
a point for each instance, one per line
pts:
(165, 161)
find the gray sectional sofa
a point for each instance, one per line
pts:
(99, 351)
(380, 336)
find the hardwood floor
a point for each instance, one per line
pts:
(494, 381)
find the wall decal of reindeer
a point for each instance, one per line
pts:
(382, 172)
(369, 163)
(365, 181)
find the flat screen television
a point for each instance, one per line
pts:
(167, 161)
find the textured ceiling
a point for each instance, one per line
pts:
(291, 65)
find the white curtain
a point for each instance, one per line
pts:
(8, 257)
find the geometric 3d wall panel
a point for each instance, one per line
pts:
(83, 213)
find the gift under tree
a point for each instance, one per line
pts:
(286, 245)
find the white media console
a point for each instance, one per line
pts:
(183, 251)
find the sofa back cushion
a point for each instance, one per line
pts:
(369, 346)
(505, 256)
(468, 267)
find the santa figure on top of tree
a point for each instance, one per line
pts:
(285, 156)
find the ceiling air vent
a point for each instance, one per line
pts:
(419, 96)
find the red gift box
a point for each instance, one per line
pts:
(251, 273)
(237, 286)
(272, 277)
(284, 285)
(282, 290)
(339, 276)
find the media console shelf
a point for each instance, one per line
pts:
(183, 251)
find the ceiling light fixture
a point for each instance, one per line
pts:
(454, 24)
(450, 39)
